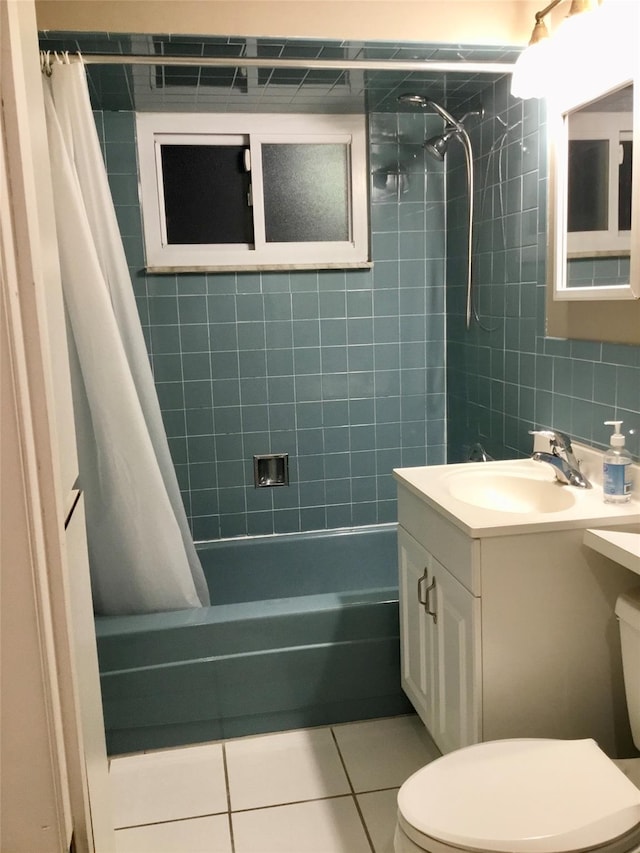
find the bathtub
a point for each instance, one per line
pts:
(304, 631)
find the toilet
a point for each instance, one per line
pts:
(530, 795)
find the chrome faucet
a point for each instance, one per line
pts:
(560, 456)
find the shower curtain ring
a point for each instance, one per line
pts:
(45, 62)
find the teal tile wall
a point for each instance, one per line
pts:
(504, 376)
(592, 272)
(342, 370)
(346, 371)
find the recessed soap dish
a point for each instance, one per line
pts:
(270, 469)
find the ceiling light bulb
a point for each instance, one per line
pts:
(533, 69)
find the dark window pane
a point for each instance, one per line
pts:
(206, 194)
(588, 208)
(306, 192)
(624, 179)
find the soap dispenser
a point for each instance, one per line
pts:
(616, 470)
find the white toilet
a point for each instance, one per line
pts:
(530, 795)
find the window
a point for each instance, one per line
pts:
(253, 191)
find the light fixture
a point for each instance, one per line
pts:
(541, 64)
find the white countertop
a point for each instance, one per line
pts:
(584, 508)
(622, 546)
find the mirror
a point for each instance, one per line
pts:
(595, 219)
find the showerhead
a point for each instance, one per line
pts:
(437, 145)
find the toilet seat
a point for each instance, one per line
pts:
(521, 796)
(408, 840)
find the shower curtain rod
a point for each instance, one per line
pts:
(309, 64)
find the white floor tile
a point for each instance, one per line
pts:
(322, 826)
(383, 753)
(197, 835)
(168, 785)
(284, 768)
(379, 810)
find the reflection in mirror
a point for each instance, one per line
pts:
(594, 240)
(599, 171)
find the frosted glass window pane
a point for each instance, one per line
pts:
(588, 208)
(306, 195)
(206, 192)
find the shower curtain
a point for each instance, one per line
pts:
(141, 552)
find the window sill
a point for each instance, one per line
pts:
(359, 265)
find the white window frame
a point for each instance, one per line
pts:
(614, 128)
(156, 129)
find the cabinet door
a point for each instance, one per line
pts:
(417, 629)
(456, 661)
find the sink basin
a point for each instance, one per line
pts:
(510, 492)
(516, 496)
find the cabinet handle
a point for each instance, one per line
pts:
(425, 578)
(425, 600)
(427, 605)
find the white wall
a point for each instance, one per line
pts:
(448, 21)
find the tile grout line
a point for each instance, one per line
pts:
(292, 803)
(228, 791)
(353, 792)
(172, 820)
(230, 812)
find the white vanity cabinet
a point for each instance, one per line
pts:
(440, 643)
(508, 634)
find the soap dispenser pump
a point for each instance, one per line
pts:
(616, 470)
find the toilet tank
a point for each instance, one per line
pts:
(628, 613)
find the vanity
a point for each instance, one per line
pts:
(507, 617)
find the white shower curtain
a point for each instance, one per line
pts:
(140, 548)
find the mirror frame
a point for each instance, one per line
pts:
(559, 116)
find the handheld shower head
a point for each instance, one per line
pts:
(416, 100)
(420, 101)
(436, 146)
(413, 99)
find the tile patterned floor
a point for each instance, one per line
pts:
(322, 790)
